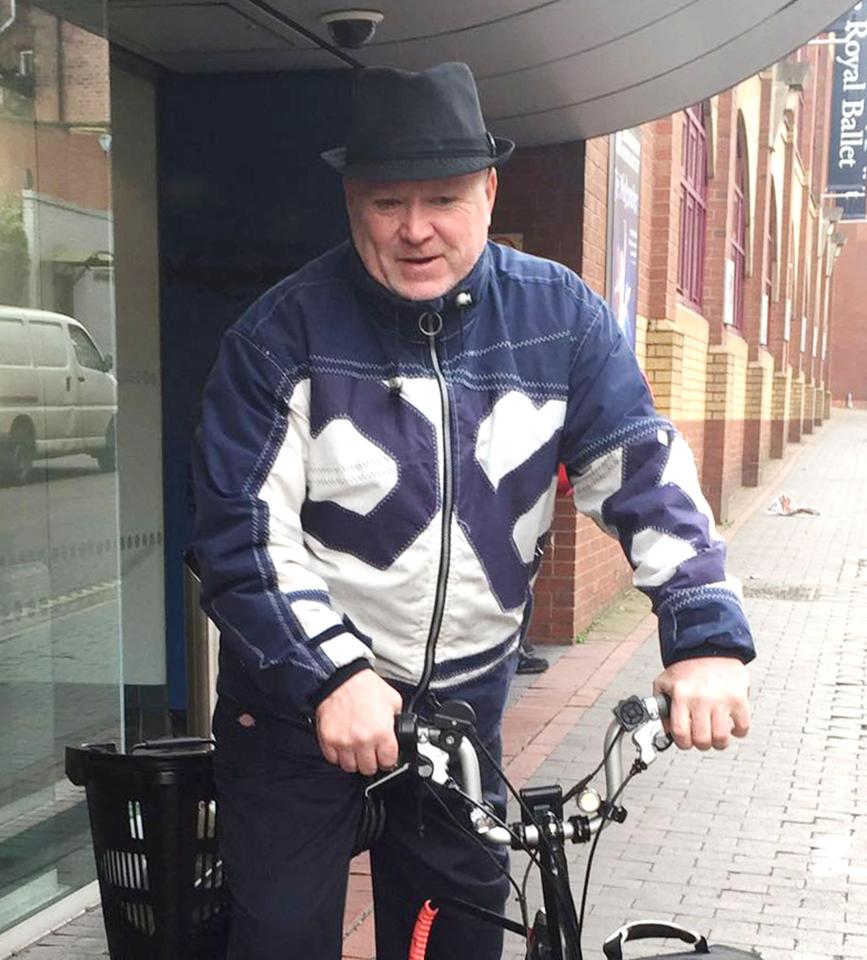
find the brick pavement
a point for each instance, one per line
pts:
(763, 845)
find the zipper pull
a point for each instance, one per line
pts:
(430, 323)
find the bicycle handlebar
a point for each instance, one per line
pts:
(435, 746)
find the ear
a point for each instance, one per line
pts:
(490, 191)
(491, 188)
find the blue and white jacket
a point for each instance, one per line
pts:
(375, 478)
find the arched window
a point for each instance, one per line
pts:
(739, 233)
(772, 280)
(771, 276)
(693, 205)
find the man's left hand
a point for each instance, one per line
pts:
(709, 701)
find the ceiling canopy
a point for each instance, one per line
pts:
(548, 70)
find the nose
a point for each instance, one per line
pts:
(415, 226)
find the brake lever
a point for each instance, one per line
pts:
(386, 778)
(643, 720)
(650, 739)
(428, 762)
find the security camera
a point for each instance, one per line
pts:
(351, 28)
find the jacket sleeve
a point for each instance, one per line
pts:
(249, 478)
(635, 476)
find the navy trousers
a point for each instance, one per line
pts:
(288, 822)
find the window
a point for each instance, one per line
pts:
(14, 351)
(693, 205)
(49, 344)
(25, 63)
(770, 286)
(85, 349)
(771, 278)
(739, 235)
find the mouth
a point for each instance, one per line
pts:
(418, 261)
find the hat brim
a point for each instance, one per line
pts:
(418, 168)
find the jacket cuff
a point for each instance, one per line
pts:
(338, 678)
(715, 626)
(708, 650)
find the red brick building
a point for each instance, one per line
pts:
(848, 332)
(737, 250)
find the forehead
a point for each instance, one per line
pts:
(404, 188)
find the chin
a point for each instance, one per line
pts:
(429, 290)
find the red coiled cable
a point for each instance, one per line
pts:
(421, 931)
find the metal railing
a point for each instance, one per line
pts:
(201, 655)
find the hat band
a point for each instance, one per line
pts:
(426, 150)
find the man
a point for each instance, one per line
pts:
(375, 475)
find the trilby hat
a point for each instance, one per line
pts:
(417, 126)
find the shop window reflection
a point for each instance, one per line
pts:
(59, 608)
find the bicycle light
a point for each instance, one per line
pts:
(589, 801)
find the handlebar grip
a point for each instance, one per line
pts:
(663, 702)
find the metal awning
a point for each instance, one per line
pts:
(548, 70)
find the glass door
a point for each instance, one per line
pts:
(60, 662)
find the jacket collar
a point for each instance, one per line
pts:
(457, 307)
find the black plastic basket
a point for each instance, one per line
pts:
(153, 818)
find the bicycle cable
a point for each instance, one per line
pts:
(564, 896)
(524, 880)
(474, 739)
(582, 783)
(637, 767)
(522, 903)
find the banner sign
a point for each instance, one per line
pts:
(847, 158)
(624, 185)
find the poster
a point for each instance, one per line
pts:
(624, 184)
(847, 153)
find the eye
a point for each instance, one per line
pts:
(386, 204)
(443, 201)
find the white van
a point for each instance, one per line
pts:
(56, 394)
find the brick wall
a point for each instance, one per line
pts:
(601, 569)
(758, 415)
(540, 196)
(724, 426)
(737, 401)
(663, 167)
(557, 198)
(848, 327)
(53, 145)
(595, 213)
(781, 398)
(85, 76)
(68, 166)
(796, 407)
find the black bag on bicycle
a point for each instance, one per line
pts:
(643, 930)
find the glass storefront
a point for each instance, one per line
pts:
(60, 618)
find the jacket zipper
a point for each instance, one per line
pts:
(430, 325)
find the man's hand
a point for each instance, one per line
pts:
(708, 701)
(355, 724)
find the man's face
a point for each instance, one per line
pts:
(420, 238)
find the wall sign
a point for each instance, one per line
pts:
(624, 188)
(847, 152)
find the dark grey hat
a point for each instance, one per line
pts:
(417, 126)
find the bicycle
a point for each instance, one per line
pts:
(430, 750)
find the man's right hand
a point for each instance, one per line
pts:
(355, 724)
